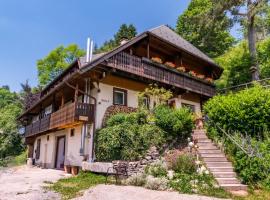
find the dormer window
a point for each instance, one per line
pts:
(119, 96)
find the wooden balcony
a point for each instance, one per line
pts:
(146, 68)
(69, 115)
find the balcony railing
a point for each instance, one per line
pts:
(66, 116)
(146, 68)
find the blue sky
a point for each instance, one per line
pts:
(30, 29)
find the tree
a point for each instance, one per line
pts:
(243, 10)
(125, 31)
(10, 139)
(212, 38)
(56, 61)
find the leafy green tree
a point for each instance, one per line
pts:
(125, 31)
(10, 139)
(243, 11)
(212, 38)
(56, 61)
(236, 62)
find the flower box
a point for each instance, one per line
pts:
(210, 80)
(181, 69)
(169, 64)
(192, 73)
(200, 76)
(157, 60)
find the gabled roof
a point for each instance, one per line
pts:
(164, 33)
(167, 34)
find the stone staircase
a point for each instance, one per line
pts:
(217, 163)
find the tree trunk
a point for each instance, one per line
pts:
(252, 46)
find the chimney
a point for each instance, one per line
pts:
(123, 41)
(89, 50)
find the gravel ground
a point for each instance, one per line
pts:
(26, 183)
(113, 192)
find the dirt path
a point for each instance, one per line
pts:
(26, 183)
(113, 192)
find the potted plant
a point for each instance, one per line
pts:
(157, 60)
(210, 80)
(181, 69)
(169, 64)
(200, 76)
(192, 73)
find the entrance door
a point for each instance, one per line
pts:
(60, 152)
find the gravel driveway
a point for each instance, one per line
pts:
(26, 183)
(113, 192)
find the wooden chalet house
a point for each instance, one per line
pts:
(60, 126)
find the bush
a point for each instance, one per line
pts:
(156, 170)
(175, 122)
(127, 141)
(247, 111)
(156, 183)
(184, 164)
(136, 180)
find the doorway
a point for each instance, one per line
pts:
(60, 152)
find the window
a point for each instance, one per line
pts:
(48, 137)
(146, 102)
(72, 132)
(189, 106)
(38, 149)
(119, 97)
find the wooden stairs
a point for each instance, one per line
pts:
(217, 163)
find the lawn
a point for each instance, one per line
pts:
(72, 187)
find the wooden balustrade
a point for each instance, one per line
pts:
(146, 68)
(68, 115)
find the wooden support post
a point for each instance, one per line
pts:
(62, 100)
(148, 50)
(76, 93)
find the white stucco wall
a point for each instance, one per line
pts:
(72, 148)
(105, 99)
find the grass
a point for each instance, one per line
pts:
(71, 187)
(255, 195)
(12, 161)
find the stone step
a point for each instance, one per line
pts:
(213, 155)
(228, 180)
(200, 136)
(220, 169)
(224, 174)
(234, 187)
(215, 159)
(208, 147)
(218, 164)
(204, 141)
(210, 151)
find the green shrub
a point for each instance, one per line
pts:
(247, 111)
(116, 119)
(156, 170)
(126, 141)
(184, 164)
(175, 122)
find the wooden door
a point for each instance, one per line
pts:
(60, 152)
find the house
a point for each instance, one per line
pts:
(60, 127)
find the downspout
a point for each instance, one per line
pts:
(95, 108)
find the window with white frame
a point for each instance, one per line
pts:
(119, 96)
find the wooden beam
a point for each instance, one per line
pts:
(76, 93)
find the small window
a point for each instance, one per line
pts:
(146, 102)
(72, 132)
(48, 137)
(189, 106)
(38, 149)
(119, 97)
